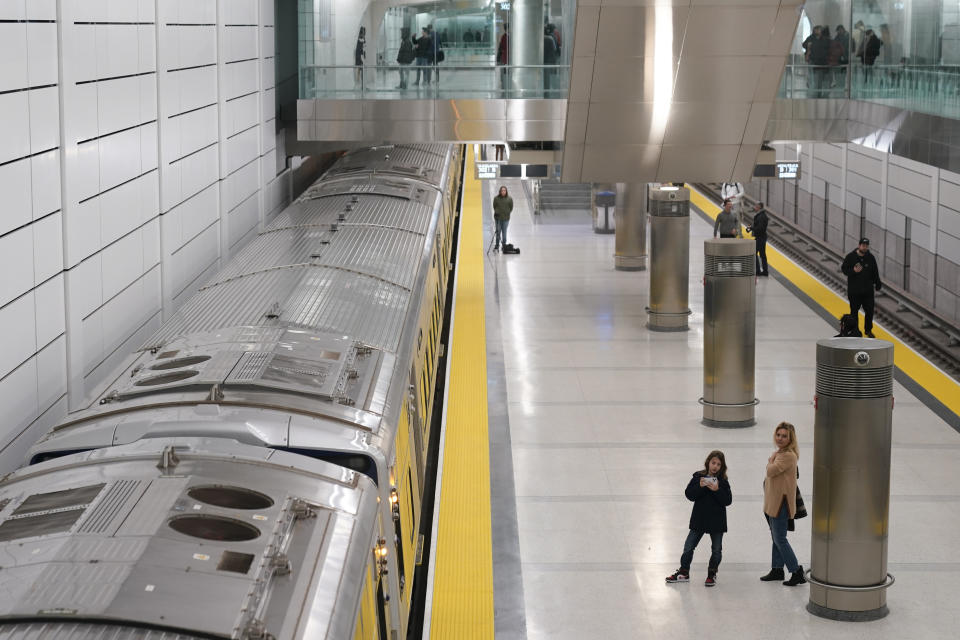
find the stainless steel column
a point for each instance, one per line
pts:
(852, 433)
(631, 227)
(526, 47)
(669, 259)
(729, 332)
(604, 200)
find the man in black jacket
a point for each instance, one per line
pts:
(863, 277)
(759, 229)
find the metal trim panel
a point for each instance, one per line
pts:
(466, 130)
(470, 109)
(534, 109)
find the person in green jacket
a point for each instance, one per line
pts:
(502, 206)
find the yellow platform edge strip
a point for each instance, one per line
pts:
(463, 568)
(926, 374)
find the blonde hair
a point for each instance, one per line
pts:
(793, 445)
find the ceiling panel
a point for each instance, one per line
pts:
(757, 122)
(697, 163)
(585, 34)
(620, 163)
(729, 30)
(719, 79)
(624, 80)
(632, 31)
(706, 123)
(622, 123)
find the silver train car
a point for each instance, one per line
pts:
(312, 355)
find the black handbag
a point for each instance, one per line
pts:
(801, 511)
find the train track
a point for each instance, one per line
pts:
(924, 330)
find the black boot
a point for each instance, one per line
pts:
(775, 574)
(796, 578)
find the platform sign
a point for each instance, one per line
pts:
(788, 170)
(487, 170)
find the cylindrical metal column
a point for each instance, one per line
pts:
(669, 259)
(729, 333)
(526, 47)
(852, 437)
(604, 207)
(631, 227)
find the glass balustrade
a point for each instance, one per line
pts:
(474, 49)
(441, 81)
(901, 53)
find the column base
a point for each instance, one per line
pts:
(630, 263)
(847, 616)
(728, 416)
(659, 321)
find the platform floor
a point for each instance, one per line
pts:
(603, 430)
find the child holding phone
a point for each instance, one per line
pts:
(709, 491)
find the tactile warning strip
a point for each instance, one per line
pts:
(463, 567)
(937, 383)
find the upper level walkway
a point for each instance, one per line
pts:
(847, 71)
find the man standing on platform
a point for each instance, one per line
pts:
(759, 230)
(727, 223)
(863, 277)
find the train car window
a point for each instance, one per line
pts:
(354, 461)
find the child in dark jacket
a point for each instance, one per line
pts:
(709, 491)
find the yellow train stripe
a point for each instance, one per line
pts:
(463, 567)
(941, 386)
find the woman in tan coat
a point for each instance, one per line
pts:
(780, 503)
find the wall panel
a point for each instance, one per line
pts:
(117, 209)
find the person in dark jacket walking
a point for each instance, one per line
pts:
(424, 56)
(863, 277)
(503, 56)
(550, 56)
(759, 230)
(358, 55)
(709, 491)
(502, 208)
(405, 56)
(818, 55)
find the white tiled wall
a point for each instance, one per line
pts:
(901, 199)
(137, 151)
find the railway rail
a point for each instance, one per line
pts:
(911, 320)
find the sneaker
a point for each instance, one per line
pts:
(869, 334)
(678, 576)
(711, 581)
(775, 574)
(796, 578)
